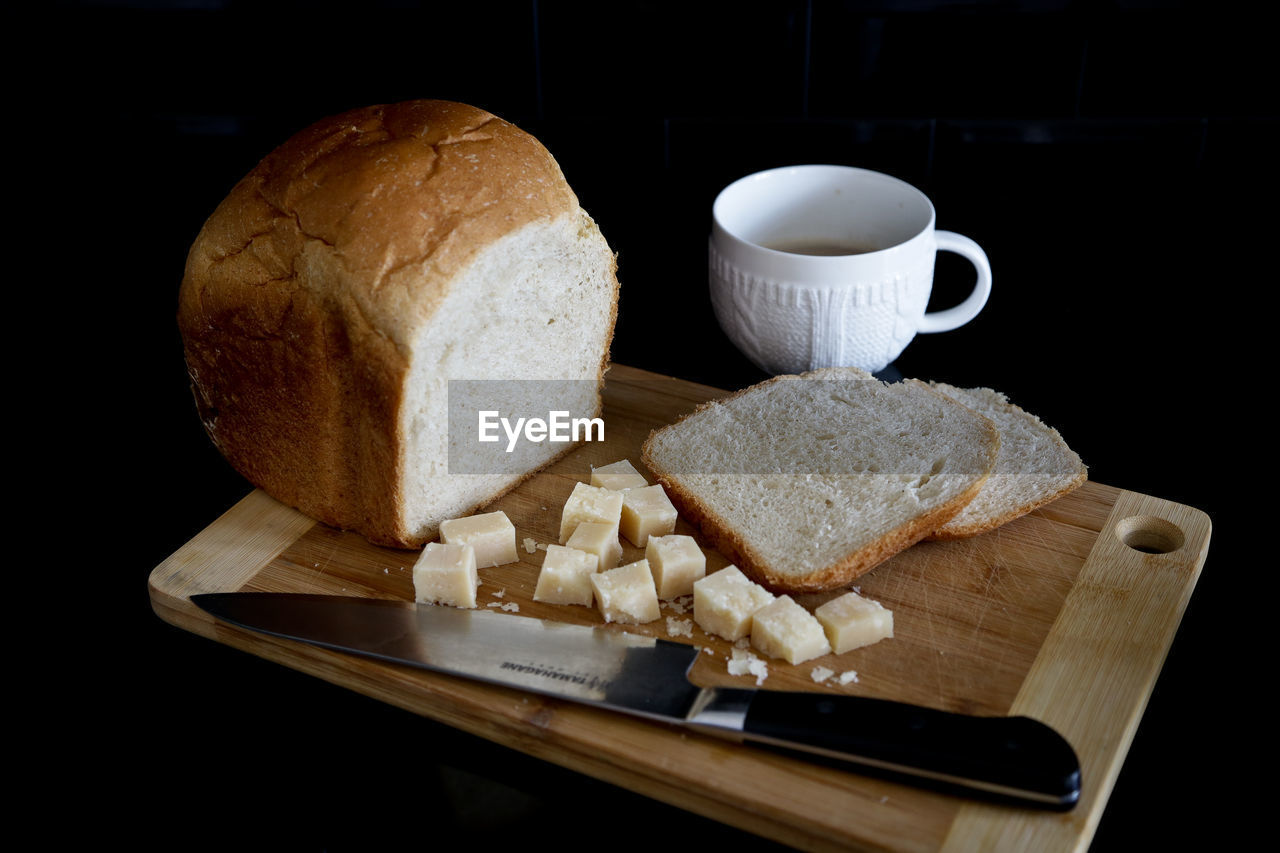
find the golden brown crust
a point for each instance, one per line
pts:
(307, 284)
(952, 532)
(946, 534)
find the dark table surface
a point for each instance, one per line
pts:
(1126, 208)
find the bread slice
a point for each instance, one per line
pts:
(362, 266)
(1035, 466)
(806, 482)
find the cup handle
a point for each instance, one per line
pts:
(953, 318)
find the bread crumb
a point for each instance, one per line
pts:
(821, 673)
(849, 676)
(744, 662)
(530, 545)
(679, 627)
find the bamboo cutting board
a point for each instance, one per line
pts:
(1064, 615)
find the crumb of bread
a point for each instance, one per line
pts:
(530, 545)
(850, 675)
(679, 627)
(744, 662)
(821, 673)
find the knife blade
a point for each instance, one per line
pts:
(1016, 759)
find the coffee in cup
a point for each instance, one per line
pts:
(825, 266)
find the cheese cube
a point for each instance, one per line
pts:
(589, 503)
(566, 576)
(725, 601)
(852, 622)
(626, 594)
(596, 537)
(618, 476)
(446, 574)
(646, 512)
(784, 629)
(676, 562)
(492, 535)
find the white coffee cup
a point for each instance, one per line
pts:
(830, 266)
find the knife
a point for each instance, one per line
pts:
(1013, 759)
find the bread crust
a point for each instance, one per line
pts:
(951, 532)
(305, 288)
(844, 571)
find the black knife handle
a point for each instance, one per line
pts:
(1006, 757)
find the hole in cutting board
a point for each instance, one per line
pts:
(1149, 534)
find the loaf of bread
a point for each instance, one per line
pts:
(361, 266)
(806, 482)
(1034, 466)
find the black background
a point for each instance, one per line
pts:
(1115, 160)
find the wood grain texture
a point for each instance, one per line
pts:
(1053, 616)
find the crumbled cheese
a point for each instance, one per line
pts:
(679, 627)
(745, 663)
(499, 593)
(846, 677)
(530, 545)
(511, 607)
(821, 673)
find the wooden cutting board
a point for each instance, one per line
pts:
(1064, 615)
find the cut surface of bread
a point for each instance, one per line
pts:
(362, 266)
(806, 482)
(1034, 466)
